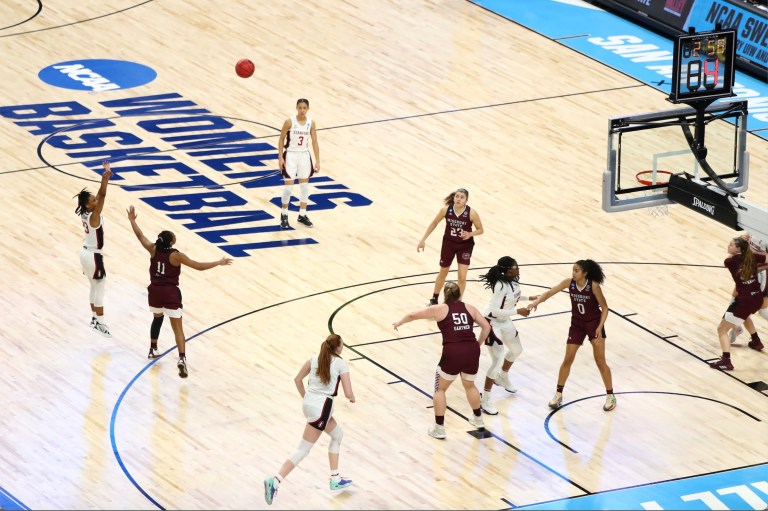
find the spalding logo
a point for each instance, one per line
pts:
(97, 75)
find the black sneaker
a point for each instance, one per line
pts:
(153, 352)
(284, 222)
(432, 301)
(304, 220)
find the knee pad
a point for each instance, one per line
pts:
(154, 331)
(336, 435)
(304, 191)
(301, 452)
(763, 313)
(287, 189)
(514, 349)
(98, 290)
(497, 352)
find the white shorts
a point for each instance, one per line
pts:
(315, 407)
(298, 165)
(92, 263)
(171, 313)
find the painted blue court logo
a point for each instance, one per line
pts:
(97, 75)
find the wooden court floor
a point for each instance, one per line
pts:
(412, 99)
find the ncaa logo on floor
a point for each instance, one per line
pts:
(97, 75)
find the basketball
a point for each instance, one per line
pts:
(244, 68)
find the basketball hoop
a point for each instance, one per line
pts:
(655, 177)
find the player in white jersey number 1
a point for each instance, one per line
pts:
(295, 161)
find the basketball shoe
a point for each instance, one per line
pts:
(100, 328)
(756, 345)
(503, 380)
(270, 489)
(153, 352)
(340, 484)
(557, 401)
(610, 402)
(734, 333)
(432, 301)
(305, 221)
(284, 222)
(477, 421)
(724, 364)
(485, 404)
(436, 431)
(182, 365)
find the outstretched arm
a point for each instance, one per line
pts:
(431, 227)
(548, 293)
(431, 312)
(101, 195)
(148, 245)
(178, 257)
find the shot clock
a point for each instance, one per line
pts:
(703, 66)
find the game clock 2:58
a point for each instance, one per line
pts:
(703, 66)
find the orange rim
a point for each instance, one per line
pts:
(662, 177)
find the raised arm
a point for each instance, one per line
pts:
(299, 380)
(178, 258)
(315, 146)
(281, 143)
(148, 245)
(101, 195)
(431, 227)
(549, 293)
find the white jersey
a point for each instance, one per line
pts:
(298, 135)
(503, 303)
(314, 385)
(94, 236)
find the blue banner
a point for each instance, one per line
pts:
(622, 45)
(745, 488)
(751, 27)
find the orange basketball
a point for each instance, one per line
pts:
(244, 68)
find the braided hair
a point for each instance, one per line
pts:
(164, 241)
(498, 272)
(82, 201)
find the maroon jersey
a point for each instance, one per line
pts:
(161, 271)
(584, 304)
(457, 325)
(455, 224)
(749, 287)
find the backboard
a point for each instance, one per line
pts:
(643, 149)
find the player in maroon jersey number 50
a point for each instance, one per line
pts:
(164, 295)
(589, 310)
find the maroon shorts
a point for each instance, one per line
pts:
(581, 329)
(460, 357)
(164, 297)
(462, 252)
(742, 307)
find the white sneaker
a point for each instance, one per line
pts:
(503, 380)
(436, 431)
(734, 333)
(477, 421)
(182, 365)
(485, 404)
(100, 328)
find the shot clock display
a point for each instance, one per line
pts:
(703, 66)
